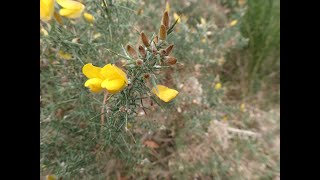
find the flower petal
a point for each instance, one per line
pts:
(69, 4)
(46, 9)
(113, 86)
(91, 71)
(88, 17)
(94, 84)
(71, 13)
(112, 72)
(164, 93)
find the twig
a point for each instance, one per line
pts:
(244, 132)
(102, 109)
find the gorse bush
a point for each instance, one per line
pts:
(140, 90)
(141, 67)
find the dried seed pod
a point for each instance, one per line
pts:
(162, 52)
(169, 49)
(131, 51)
(156, 39)
(170, 60)
(142, 51)
(165, 19)
(145, 39)
(139, 62)
(163, 32)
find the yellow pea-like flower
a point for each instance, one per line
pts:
(46, 10)
(218, 86)
(110, 77)
(233, 23)
(94, 84)
(70, 9)
(167, 6)
(164, 93)
(176, 16)
(243, 107)
(88, 17)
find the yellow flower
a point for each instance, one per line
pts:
(110, 77)
(46, 10)
(88, 17)
(176, 16)
(71, 9)
(167, 6)
(64, 55)
(182, 18)
(243, 107)
(233, 23)
(164, 93)
(218, 86)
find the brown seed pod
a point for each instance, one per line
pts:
(163, 32)
(131, 51)
(169, 49)
(144, 39)
(142, 51)
(170, 60)
(165, 19)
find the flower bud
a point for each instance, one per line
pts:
(170, 60)
(163, 32)
(88, 17)
(165, 19)
(139, 62)
(169, 49)
(131, 51)
(156, 39)
(58, 18)
(142, 51)
(145, 39)
(146, 76)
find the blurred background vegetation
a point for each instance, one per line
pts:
(225, 122)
